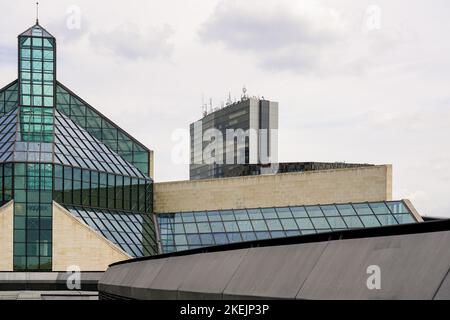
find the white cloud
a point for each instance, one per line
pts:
(8, 54)
(280, 34)
(128, 41)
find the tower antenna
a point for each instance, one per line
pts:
(244, 93)
(37, 12)
(229, 101)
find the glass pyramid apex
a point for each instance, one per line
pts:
(36, 31)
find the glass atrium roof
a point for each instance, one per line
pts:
(9, 98)
(131, 153)
(76, 147)
(8, 125)
(132, 232)
(100, 127)
(190, 230)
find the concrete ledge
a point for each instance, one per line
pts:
(15, 281)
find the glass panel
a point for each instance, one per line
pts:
(320, 223)
(217, 227)
(220, 238)
(248, 236)
(227, 215)
(255, 214)
(336, 222)
(259, 225)
(214, 216)
(314, 211)
(330, 211)
(245, 226)
(284, 213)
(274, 225)
(304, 223)
(363, 209)
(193, 239)
(299, 212)
(379, 208)
(207, 239)
(289, 224)
(346, 209)
(387, 220)
(269, 213)
(404, 218)
(231, 226)
(241, 214)
(397, 207)
(353, 222)
(201, 216)
(204, 227)
(370, 221)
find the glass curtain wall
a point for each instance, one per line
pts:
(33, 181)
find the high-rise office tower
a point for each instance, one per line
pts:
(226, 140)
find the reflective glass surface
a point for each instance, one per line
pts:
(37, 68)
(74, 186)
(77, 147)
(9, 98)
(134, 233)
(102, 129)
(76, 157)
(32, 216)
(8, 124)
(189, 230)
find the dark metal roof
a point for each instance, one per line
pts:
(401, 262)
(414, 228)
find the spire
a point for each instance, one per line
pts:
(37, 13)
(36, 30)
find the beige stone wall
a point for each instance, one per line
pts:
(75, 243)
(314, 187)
(413, 210)
(151, 160)
(6, 237)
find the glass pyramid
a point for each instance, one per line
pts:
(56, 147)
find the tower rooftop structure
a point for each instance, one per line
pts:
(36, 31)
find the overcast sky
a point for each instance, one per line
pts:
(357, 81)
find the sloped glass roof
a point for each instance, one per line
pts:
(76, 147)
(8, 124)
(9, 98)
(102, 128)
(189, 230)
(36, 31)
(73, 145)
(133, 232)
